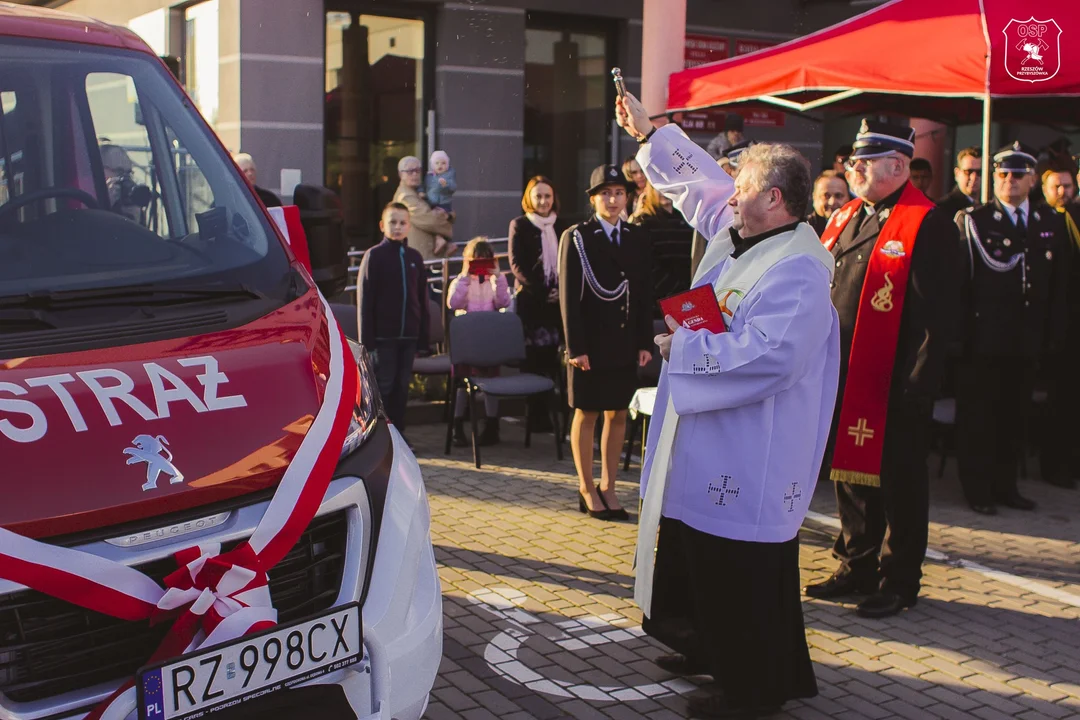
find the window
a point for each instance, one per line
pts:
(110, 179)
(374, 112)
(201, 58)
(568, 104)
(124, 146)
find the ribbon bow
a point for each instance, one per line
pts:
(214, 597)
(213, 590)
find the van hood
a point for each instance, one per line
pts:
(105, 437)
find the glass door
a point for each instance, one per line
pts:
(569, 101)
(374, 112)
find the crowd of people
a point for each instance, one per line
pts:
(854, 305)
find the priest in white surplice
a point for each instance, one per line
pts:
(742, 419)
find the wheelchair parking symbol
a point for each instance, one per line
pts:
(501, 652)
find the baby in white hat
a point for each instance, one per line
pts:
(439, 187)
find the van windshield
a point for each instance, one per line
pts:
(110, 179)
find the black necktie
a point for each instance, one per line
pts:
(615, 236)
(1020, 220)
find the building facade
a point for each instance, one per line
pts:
(336, 92)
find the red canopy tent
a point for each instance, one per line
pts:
(946, 60)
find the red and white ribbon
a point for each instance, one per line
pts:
(212, 597)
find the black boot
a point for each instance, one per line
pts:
(460, 440)
(490, 435)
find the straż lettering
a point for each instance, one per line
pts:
(23, 421)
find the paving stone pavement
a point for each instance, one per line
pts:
(540, 620)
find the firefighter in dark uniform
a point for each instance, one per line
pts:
(884, 521)
(606, 298)
(1059, 457)
(1015, 317)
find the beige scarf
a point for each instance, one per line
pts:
(549, 244)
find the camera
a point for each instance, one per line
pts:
(133, 193)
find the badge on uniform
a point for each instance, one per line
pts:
(1036, 216)
(893, 248)
(1046, 233)
(1006, 242)
(997, 216)
(1049, 255)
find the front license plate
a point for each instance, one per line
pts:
(208, 681)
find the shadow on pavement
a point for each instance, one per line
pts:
(570, 576)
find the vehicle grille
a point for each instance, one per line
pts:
(48, 646)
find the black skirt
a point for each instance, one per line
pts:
(736, 608)
(601, 389)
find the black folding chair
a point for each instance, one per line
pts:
(491, 340)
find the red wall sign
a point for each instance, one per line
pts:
(702, 49)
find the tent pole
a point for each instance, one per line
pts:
(987, 165)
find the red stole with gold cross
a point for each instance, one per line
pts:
(860, 435)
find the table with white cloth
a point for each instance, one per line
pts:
(640, 410)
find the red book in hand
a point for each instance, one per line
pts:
(695, 309)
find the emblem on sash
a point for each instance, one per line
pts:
(723, 300)
(860, 432)
(882, 300)
(893, 248)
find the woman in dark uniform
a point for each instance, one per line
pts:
(605, 293)
(534, 259)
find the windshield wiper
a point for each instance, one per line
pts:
(20, 320)
(145, 294)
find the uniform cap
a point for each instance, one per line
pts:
(878, 139)
(606, 175)
(1014, 157)
(733, 152)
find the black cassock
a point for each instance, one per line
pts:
(608, 326)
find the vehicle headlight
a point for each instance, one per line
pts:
(368, 404)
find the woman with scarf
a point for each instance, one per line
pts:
(534, 260)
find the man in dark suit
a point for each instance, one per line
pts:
(892, 241)
(968, 174)
(605, 293)
(1017, 310)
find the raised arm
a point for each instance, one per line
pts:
(679, 169)
(685, 173)
(788, 320)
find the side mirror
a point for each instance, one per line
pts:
(287, 219)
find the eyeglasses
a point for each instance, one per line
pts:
(966, 171)
(1014, 173)
(411, 170)
(852, 163)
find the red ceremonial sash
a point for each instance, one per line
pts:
(213, 596)
(860, 435)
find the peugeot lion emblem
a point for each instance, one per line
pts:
(153, 451)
